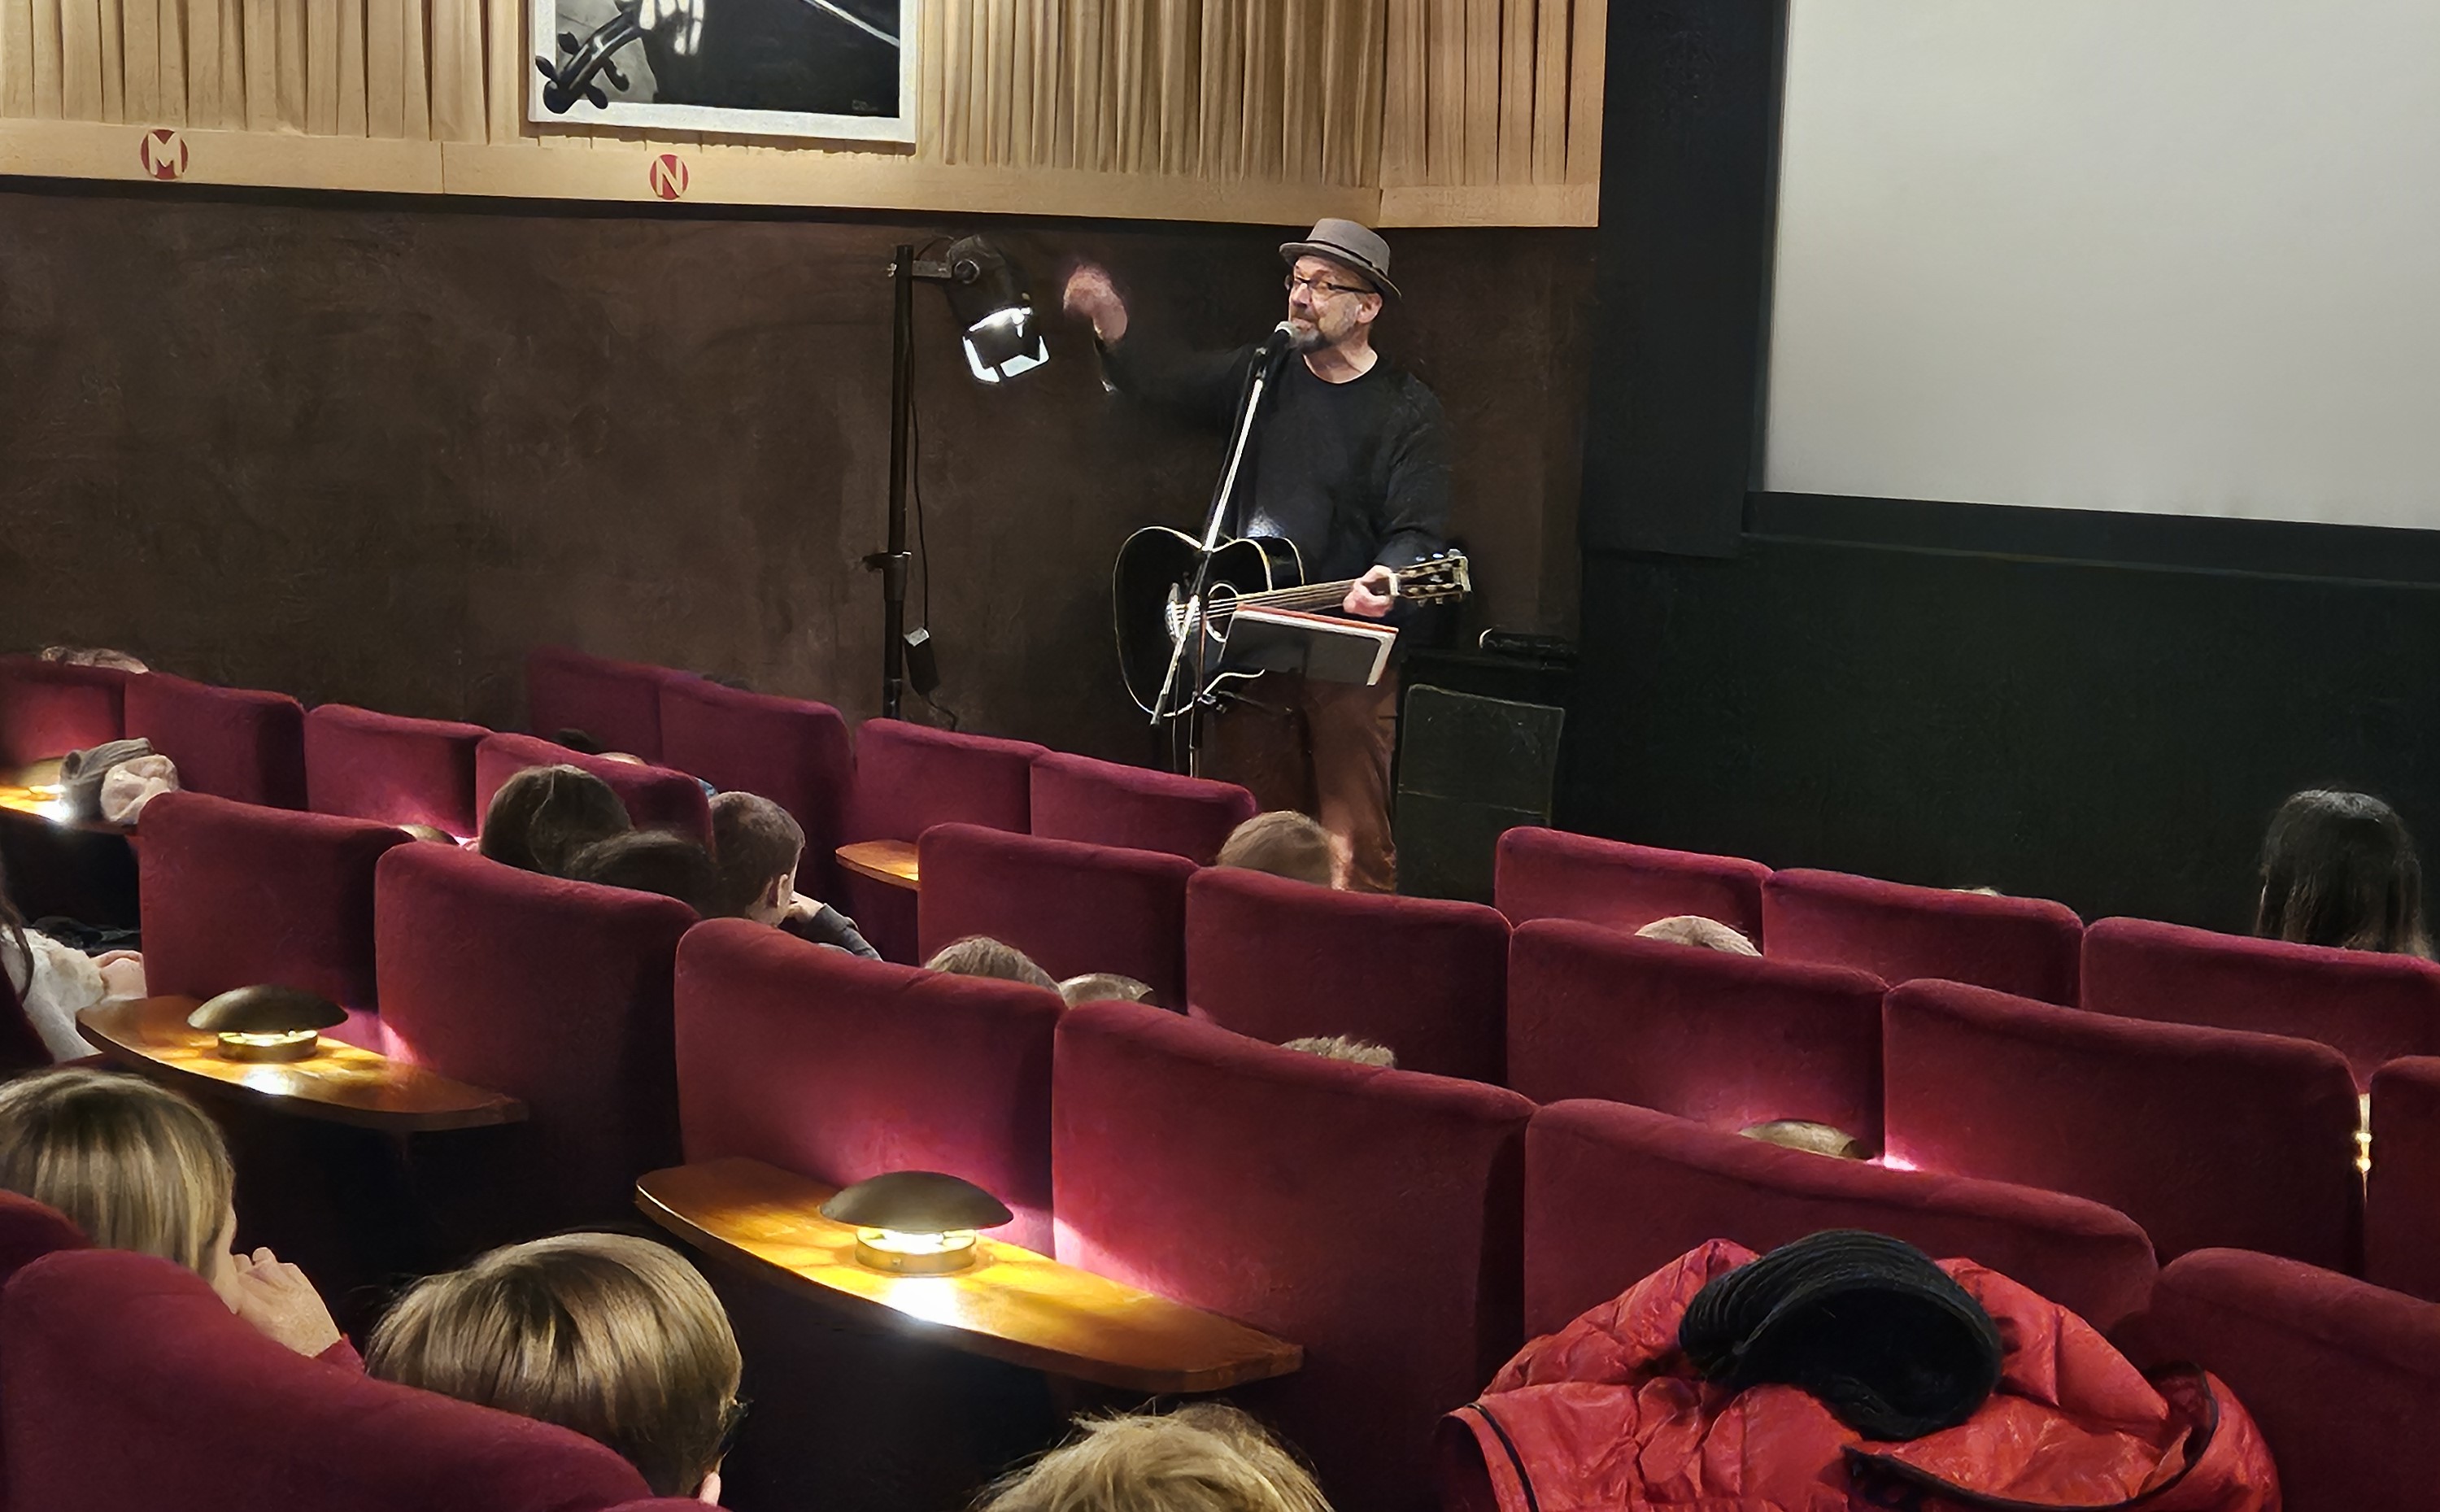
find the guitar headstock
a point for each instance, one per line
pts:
(1441, 575)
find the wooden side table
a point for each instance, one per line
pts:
(888, 861)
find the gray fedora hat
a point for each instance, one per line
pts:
(1346, 242)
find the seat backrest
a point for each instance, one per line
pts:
(2402, 1193)
(840, 1069)
(617, 703)
(912, 777)
(554, 992)
(2025, 945)
(386, 767)
(1077, 798)
(1281, 960)
(2372, 1008)
(228, 742)
(1552, 874)
(1723, 1039)
(131, 1387)
(2341, 1377)
(1073, 907)
(49, 709)
(793, 751)
(655, 797)
(1369, 1215)
(29, 1230)
(1613, 1193)
(233, 894)
(2206, 1137)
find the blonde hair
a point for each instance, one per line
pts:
(1814, 1139)
(1203, 1457)
(613, 1336)
(1704, 934)
(1104, 986)
(1282, 843)
(979, 955)
(1340, 1047)
(134, 1165)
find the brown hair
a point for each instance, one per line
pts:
(979, 955)
(1814, 1139)
(1283, 844)
(615, 1337)
(1703, 934)
(753, 842)
(2339, 869)
(543, 815)
(1203, 1457)
(650, 861)
(1340, 1047)
(134, 1165)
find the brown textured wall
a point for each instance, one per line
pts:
(371, 450)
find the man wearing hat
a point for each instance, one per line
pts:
(1349, 461)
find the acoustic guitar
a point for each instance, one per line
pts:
(1156, 567)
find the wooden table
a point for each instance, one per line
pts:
(338, 1083)
(35, 790)
(1011, 1304)
(890, 862)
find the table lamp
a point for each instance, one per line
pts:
(916, 1223)
(266, 1022)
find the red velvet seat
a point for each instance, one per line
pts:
(617, 703)
(2028, 946)
(2402, 1193)
(397, 770)
(1077, 798)
(1613, 1193)
(554, 992)
(2341, 1377)
(1281, 959)
(234, 895)
(1370, 1215)
(656, 798)
(840, 1069)
(49, 709)
(2206, 1137)
(228, 742)
(131, 1387)
(1722, 1039)
(791, 751)
(1073, 907)
(1552, 874)
(29, 1230)
(2372, 1008)
(912, 777)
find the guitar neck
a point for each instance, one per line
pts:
(1310, 595)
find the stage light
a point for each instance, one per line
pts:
(916, 1223)
(266, 1022)
(989, 296)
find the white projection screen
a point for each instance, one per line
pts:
(2179, 257)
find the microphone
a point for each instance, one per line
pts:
(1276, 345)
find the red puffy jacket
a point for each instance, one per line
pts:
(1608, 1413)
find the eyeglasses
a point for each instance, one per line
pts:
(1321, 286)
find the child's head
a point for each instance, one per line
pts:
(1704, 934)
(756, 845)
(543, 815)
(1104, 986)
(1340, 1046)
(2339, 869)
(615, 1337)
(650, 861)
(134, 1165)
(1283, 844)
(1814, 1139)
(979, 955)
(1203, 1457)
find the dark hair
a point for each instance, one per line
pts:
(650, 861)
(2339, 869)
(543, 815)
(979, 955)
(753, 841)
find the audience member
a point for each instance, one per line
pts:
(1704, 934)
(55, 981)
(979, 955)
(1340, 1047)
(2339, 869)
(611, 1337)
(1814, 1139)
(1203, 1457)
(138, 1167)
(1104, 986)
(94, 657)
(757, 846)
(1285, 843)
(544, 815)
(652, 861)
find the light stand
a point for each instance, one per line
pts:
(1000, 344)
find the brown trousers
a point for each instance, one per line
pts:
(1322, 748)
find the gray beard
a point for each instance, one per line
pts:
(1307, 342)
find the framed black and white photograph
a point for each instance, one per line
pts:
(842, 69)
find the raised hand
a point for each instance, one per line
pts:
(1091, 296)
(275, 1297)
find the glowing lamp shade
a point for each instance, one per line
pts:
(1004, 344)
(266, 1022)
(988, 293)
(916, 1223)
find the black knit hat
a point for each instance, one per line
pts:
(1867, 1323)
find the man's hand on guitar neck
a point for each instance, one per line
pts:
(1369, 595)
(1091, 296)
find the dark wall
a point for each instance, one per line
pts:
(371, 450)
